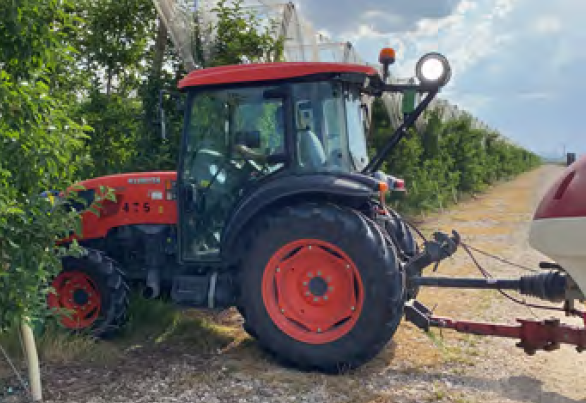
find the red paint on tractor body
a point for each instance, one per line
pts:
(141, 198)
(566, 198)
(257, 72)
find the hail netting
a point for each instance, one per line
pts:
(302, 42)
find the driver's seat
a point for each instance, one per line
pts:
(310, 150)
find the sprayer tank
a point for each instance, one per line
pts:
(558, 229)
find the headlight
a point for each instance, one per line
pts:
(433, 69)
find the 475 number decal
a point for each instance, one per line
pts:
(137, 207)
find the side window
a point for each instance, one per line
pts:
(261, 123)
(205, 132)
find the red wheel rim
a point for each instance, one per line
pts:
(78, 295)
(312, 291)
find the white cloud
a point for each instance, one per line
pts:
(342, 17)
(466, 37)
(547, 25)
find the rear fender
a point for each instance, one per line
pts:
(350, 190)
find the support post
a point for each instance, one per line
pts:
(32, 359)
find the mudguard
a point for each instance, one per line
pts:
(344, 188)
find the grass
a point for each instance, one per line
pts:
(151, 323)
(57, 346)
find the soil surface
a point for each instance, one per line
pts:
(415, 367)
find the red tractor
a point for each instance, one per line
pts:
(275, 208)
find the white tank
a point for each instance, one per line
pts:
(558, 229)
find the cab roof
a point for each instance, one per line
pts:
(245, 73)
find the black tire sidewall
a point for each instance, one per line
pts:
(377, 266)
(110, 284)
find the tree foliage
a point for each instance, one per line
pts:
(79, 93)
(40, 149)
(447, 158)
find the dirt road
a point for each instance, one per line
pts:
(414, 368)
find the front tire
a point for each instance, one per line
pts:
(93, 291)
(320, 287)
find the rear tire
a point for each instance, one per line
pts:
(320, 288)
(92, 287)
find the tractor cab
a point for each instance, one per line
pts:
(298, 119)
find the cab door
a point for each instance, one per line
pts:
(214, 173)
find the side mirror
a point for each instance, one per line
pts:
(249, 139)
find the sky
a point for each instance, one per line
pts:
(518, 65)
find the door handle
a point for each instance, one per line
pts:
(189, 197)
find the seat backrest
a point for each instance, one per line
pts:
(310, 150)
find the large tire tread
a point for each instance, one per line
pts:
(113, 286)
(382, 278)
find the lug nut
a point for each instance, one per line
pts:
(319, 330)
(319, 273)
(352, 308)
(315, 299)
(305, 283)
(278, 269)
(307, 293)
(326, 297)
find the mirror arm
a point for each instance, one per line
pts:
(399, 133)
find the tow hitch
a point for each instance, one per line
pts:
(553, 286)
(545, 335)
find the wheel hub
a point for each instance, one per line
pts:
(80, 297)
(77, 295)
(318, 287)
(312, 291)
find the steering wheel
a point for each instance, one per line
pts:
(257, 161)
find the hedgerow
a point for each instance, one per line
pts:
(445, 159)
